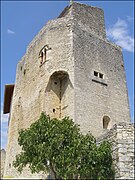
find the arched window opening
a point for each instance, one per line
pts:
(43, 53)
(106, 121)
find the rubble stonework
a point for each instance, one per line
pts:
(121, 137)
(69, 69)
(2, 161)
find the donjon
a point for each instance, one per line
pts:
(69, 69)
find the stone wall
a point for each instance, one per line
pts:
(35, 91)
(97, 97)
(2, 161)
(77, 47)
(89, 18)
(121, 136)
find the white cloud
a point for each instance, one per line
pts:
(120, 35)
(9, 31)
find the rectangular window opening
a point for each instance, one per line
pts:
(95, 73)
(101, 75)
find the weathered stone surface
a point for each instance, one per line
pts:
(2, 161)
(123, 152)
(65, 84)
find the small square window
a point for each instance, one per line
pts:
(95, 73)
(101, 75)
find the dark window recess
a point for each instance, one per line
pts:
(106, 121)
(101, 75)
(43, 54)
(10, 165)
(95, 73)
(55, 82)
(53, 110)
(24, 72)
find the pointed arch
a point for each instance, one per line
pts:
(42, 54)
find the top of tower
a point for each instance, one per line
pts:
(71, 2)
(87, 17)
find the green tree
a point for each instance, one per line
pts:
(58, 146)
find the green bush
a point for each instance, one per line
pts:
(58, 147)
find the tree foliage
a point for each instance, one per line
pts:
(58, 146)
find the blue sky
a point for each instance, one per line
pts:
(22, 20)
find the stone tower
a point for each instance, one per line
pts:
(69, 69)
